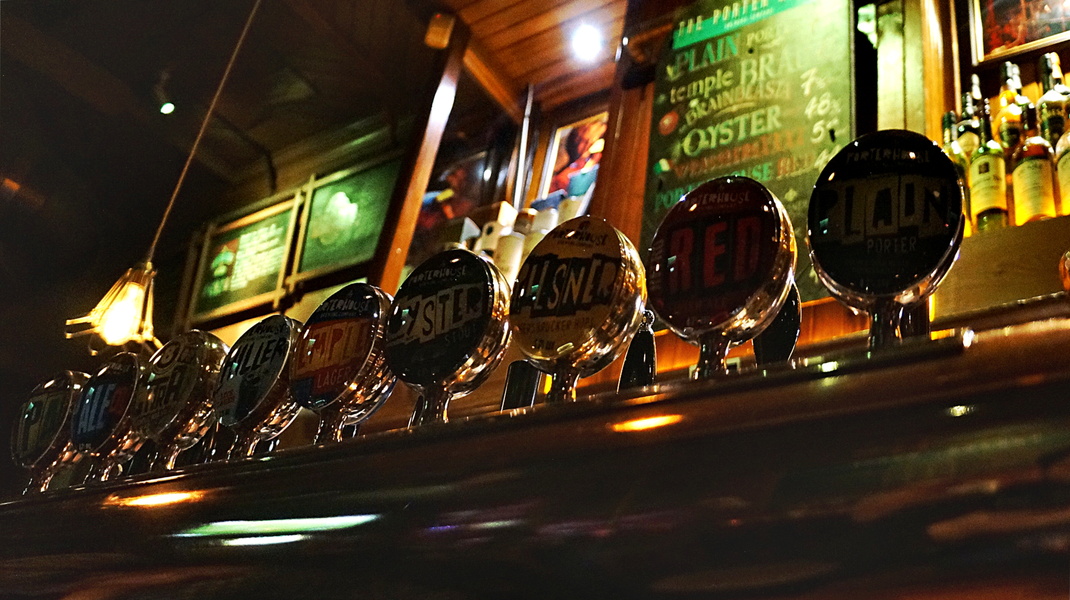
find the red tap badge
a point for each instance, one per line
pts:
(721, 259)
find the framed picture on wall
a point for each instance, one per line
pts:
(344, 218)
(573, 156)
(1002, 28)
(243, 261)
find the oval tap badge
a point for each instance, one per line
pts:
(722, 260)
(250, 377)
(449, 321)
(42, 424)
(105, 402)
(178, 381)
(340, 338)
(885, 219)
(579, 296)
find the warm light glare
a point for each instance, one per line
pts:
(120, 321)
(647, 423)
(586, 42)
(152, 500)
(167, 108)
(959, 410)
(263, 540)
(277, 526)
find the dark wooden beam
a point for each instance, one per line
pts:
(94, 85)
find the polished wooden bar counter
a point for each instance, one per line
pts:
(940, 469)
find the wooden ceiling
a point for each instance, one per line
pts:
(528, 42)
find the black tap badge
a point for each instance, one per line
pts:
(252, 368)
(439, 317)
(173, 380)
(42, 424)
(337, 340)
(725, 248)
(885, 216)
(104, 402)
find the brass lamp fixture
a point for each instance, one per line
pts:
(124, 315)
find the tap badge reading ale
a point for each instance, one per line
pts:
(251, 377)
(579, 296)
(42, 423)
(722, 260)
(340, 341)
(441, 316)
(105, 402)
(179, 379)
(885, 218)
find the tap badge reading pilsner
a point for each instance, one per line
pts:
(885, 217)
(579, 296)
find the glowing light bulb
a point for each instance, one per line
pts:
(586, 42)
(120, 321)
(167, 108)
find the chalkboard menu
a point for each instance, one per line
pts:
(242, 261)
(346, 216)
(762, 89)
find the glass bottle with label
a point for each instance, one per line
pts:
(968, 129)
(1008, 119)
(958, 156)
(1034, 179)
(1062, 170)
(1051, 107)
(988, 180)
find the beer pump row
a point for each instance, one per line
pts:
(884, 225)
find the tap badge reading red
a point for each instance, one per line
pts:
(335, 343)
(714, 251)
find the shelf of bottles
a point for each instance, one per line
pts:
(1013, 154)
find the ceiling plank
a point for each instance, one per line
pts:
(97, 87)
(493, 80)
(587, 10)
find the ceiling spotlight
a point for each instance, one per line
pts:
(587, 42)
(159, 92)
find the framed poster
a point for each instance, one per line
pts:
(243, 262)
(1002, 28)
(761, 89)
(573, 156)
(344, 217)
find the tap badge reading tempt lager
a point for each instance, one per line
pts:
(885, 219)
(722, 261)
(340, 352)
(578, 297)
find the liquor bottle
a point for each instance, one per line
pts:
(1062, 170)
(968, 129)
(958, 156)
(1034, 179)
(951, 145)
(988, 180)
(1051, 107)
(1008, 120)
